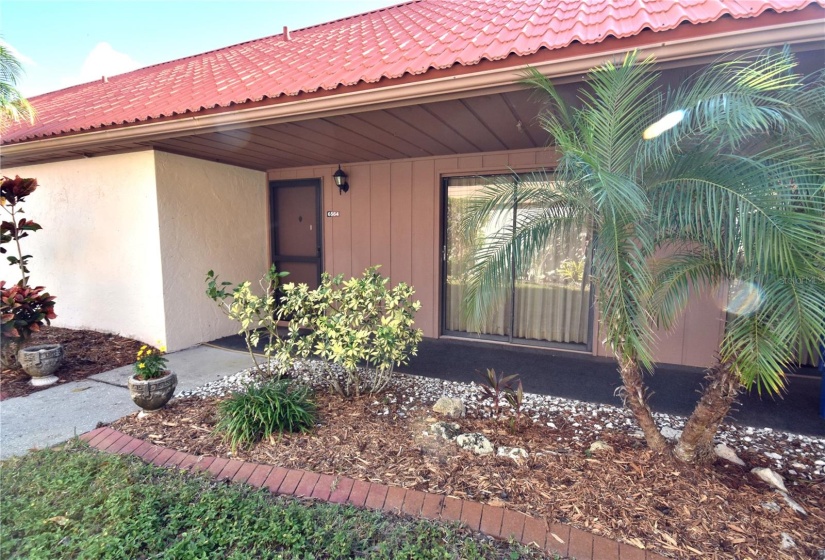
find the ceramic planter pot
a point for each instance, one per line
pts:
(40, 362)
(152, 394)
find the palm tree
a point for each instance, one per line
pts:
(639, 187)
(13, 106)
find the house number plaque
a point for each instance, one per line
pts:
(333, 213)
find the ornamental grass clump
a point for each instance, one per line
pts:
(150, 362)
(259, 412)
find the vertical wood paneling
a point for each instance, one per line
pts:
(401, 222)
(392, 217)
(380, 217)
(360, 192)
(342, 231)
(424, 217)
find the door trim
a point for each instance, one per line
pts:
(274, 258)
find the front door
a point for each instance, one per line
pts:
(295, 217)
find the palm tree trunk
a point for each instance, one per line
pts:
(635, 398)
(696, 443)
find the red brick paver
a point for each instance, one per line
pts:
(217, 466)
(244, 472)
(343, 488)
(535, 531)
(259, 475)
(452, 509)
(359, 492)
(471, 514)
(203, 464)
(307, 484)
(581, 545)
(376, 496)
(230, 469)
(323, 488)
(495, 521)
(290, 482)
(558, 539)
(431, 509)
(413, 502)
(276, 478)
(395, 499)
(629, 552)
(512, 526)
(491, 517)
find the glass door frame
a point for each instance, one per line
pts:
(509, 339)
(276, 258)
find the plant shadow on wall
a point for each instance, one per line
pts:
(360, 328)
(724, 174)
(24, 309)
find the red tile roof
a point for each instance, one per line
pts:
(409, 38)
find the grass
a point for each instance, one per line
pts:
(73, 502)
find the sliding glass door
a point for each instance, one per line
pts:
(548, 302)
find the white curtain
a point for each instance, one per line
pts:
(551, 299)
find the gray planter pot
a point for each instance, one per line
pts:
(152, 394)
(40, 362)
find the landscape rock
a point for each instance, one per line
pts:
(445, 430)
(728, 454)
(475, 442)
(515, 453)
(671, 433)
(771, 478)
(599, 446)
(793, 504)
(774, 456)
(772, 507)
(451, 407)
(787, 542)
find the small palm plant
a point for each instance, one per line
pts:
(725, 171)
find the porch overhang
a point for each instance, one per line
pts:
(459, 110)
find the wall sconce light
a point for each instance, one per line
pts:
(340, 179)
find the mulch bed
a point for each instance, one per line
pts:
(629, 494)
(86, 353)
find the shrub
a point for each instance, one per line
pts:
(359, 324)
(255, 314)
(23, 310)
(275, 407)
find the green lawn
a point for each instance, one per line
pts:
(73, 502)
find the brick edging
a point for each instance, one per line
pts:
(499, 522)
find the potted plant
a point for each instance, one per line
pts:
(152, 385)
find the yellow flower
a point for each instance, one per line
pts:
(163, 348)
(143, 347)
(141, 366)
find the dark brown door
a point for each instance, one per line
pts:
(295, 210)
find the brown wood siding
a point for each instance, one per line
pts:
(392, 217)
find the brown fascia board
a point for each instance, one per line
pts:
(684, 43)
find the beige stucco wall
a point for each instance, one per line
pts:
(99, 250)
(212, 217)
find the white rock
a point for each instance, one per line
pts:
(515, 453)
(451, 407)
(793, 504)
(772, 507)
(770, 477)
(671, 433)
(775, 456)
(787, 542)
(475, 442)
(599, 446)
(445, 430)
(728, 454)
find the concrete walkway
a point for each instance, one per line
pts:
(57, 414)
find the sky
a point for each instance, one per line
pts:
(64, 42)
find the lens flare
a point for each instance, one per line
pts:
(663, 125)
(744, 298)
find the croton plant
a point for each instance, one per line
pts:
(23, 309)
